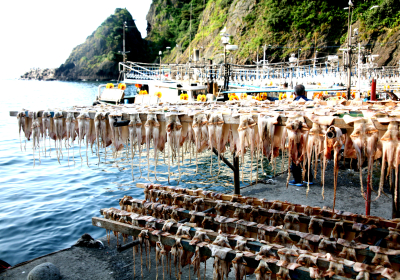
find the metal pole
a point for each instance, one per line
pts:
(358, 94)
(224, 66)
(123, 43)
(236, 175)
(349, 57)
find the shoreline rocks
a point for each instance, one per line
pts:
(47, 74)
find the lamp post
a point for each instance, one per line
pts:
(298, 57)
(225, 41)
(315, 58)
(160, 54)
(348, 52)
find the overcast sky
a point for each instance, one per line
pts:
(42, 33)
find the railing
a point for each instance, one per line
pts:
(253, 75)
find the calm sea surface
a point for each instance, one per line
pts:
(48, 207)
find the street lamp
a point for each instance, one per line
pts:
(160, 54)
(125, 26)
(298, 56)
(315, 58)
(225, 42)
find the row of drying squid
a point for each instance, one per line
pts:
(323, 251)
(261, 136)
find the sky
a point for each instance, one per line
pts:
(42, 33)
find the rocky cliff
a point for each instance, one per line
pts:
(40, 74)
(283, 26)
(98, 57)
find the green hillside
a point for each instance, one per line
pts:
(286, 25)
(98, 56)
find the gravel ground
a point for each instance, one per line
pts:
(107, 263)
(348, 195)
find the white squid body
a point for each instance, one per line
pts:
(240, 266)
(70, 123)
(365, 142)
(334, 140)
(35, 137)
(46, 119)
(211, 136)
(21, 125)
(132, 139)
(82, 129)
(390, 153)
(139, 138)
(28, 125)
(263, 272)
(59, 124)
(296, 140)
(98, 132)
(316, 144)
(174, 129)
(116, 134)
(152, 128)
(247, 137)
(199, 127)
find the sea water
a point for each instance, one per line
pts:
(47, 207)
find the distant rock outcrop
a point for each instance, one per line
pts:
(40, 74)
(98, 57)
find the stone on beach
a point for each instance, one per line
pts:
(44, 271)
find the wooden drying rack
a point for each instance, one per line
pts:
(229, 119)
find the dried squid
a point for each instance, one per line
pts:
(46, 120)
(174, 129)
(365, 141)
(21, 125)
(316, 145)
(247, 136)
(334, 140)
(59, 124)
(35, 136)
(296, 131)
(390, 153)
(70, 124)
(152, 128)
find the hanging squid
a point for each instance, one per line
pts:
(174, 128)
(35, 136)
(139, 138)
(316, 146)
(390, 153)
(116, 132)
(46, 120)
(152, 128)
(334, 140)
(218, 135)
(239, 265)
(247, 138)
(70, 126)
(59, 123)
(200, 134)
(365, 142)
(82, 130)
(297, 135)
(21, 125)
(266, 131)
(132, 139)
(98, 117)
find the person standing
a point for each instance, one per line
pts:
(300, 95)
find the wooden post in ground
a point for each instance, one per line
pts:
(235, 169)
(236, 176)
(395, 200)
